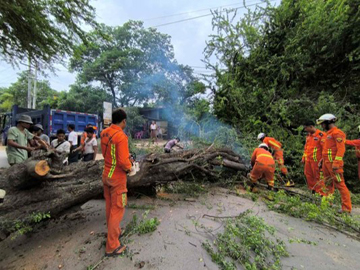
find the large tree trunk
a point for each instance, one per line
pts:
(33, 187)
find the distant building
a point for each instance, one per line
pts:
(159, 116)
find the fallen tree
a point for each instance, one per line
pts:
(43, 185)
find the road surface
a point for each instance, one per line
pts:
(3, 157)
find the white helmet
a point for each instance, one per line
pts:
(263, 145)
(358, 128)
(326, 117)
(261, 135)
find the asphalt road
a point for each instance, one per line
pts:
(3, 157)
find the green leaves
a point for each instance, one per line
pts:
(247, 241)
(286, 65)
(135, 65)
(43, 30)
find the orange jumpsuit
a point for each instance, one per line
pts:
(333, 164)
(114, 147)
(278, 153)
(355, 143)
(311, 158)
(263, 166)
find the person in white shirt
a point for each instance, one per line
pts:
(90, 146)
(60, 144)
(153, 129)
(73, 140)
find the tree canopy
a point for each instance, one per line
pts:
(42, 30)
(278, 67)
(16, 93)
(134, 64)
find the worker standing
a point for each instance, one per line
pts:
(276, 146)
(263, 166)
(312, 156)
(115, 149)
(332, 160)
(356, 143)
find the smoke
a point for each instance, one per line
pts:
(173, 91)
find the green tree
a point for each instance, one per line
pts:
(134, 64)
(277, 67)
(43, 30)
(83, 98)
(16, 93)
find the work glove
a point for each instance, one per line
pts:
(132, 171)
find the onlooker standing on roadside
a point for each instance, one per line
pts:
(90, 146)
(159, 133)
(153, 129)
(60, 144)
(18, 139)
(41, 134)
(73, 140)
(84, 135)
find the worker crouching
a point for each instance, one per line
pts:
(263, 166)
(276, 147)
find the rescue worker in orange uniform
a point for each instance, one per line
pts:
(276, 146)
(263, 166)
(356, 143)
(332, 160)
(115, 149)
(312, 156)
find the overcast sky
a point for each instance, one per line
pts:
(188, 37)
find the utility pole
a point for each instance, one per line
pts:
(35, 84)
(29, 87)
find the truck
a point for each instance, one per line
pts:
(51, 119)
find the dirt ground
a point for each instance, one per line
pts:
(76, 240)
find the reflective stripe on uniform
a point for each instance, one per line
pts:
(314, 154)
(338, 177)
(113, 161)
(330, 155)
(124, 199)
(275, 144)
(265, 155)
(338, 158)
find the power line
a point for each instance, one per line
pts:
(191, 11)
(206, 15)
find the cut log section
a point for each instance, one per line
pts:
(38, 168)
(36, 187)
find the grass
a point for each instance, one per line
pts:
(249, 242)
(140, 207)
(141, 226)
(322, 213)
